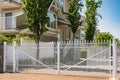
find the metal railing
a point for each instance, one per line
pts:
(7, 23)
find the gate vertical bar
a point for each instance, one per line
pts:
(16, 58)
(114, 74)
(14, 61)
(4, 58)
(110, 58)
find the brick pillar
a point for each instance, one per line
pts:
(1, 58)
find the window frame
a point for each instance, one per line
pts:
(50, 28)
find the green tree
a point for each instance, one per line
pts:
(73, 15)
(91, 18)
(36, 11)
(104, 37)
(118, 41)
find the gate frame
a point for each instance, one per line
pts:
(4, 57)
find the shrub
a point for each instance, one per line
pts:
(83, 53)
(10, 40)
(49, 60)
(18, 38)
(4, 39)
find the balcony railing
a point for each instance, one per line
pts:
(18, 1)
(7, 23)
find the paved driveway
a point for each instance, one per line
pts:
(23, 76)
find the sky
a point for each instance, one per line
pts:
(110, 22)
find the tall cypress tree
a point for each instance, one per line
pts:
(36, 11)
(73, 15)
(91, 18)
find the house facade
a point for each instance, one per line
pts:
(12, 19)
(80, 34)
(10, 10)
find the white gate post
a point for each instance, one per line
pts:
(58, 57)
(58, 53)
(14, 61)
(4, 57)
(114, 73)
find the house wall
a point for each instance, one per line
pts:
(20, 20)
(0, 13)
(66, 5)
(0, 19)
(14, 12)
(48, 38)
(16, 21)
(64, 30)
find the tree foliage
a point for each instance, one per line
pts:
(91, 18)
(36, 11)
(37, 18)
(73, 15)
(104, 37)
(117, 41)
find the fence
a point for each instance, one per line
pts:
(66, 58)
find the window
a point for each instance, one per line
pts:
(8, 20)
(82, 32)
(52, 21)
(61, 5)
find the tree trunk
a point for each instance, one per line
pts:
(72, 54)
(73, 37)
(37, 52)
(37, 46)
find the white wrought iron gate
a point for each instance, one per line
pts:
(27, 60)
(63, 58)
(87, 57)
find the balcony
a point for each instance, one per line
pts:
(10, 4)
(7, 24)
